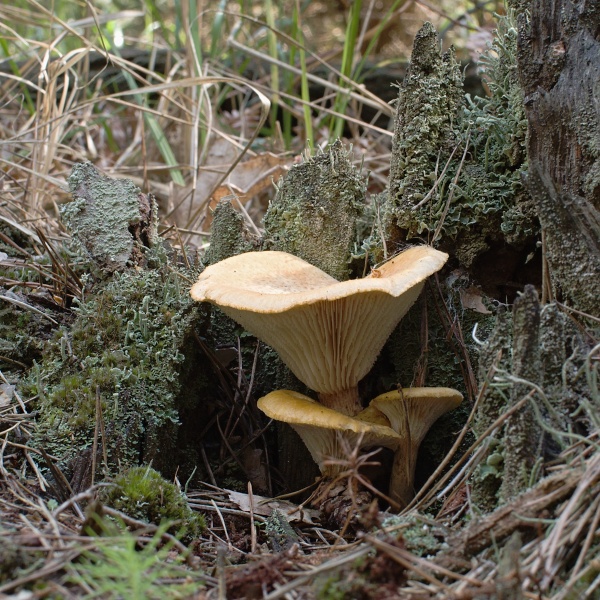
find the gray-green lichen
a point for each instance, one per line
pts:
(315, 209)
(103, 216)
(128, 349)
(457, 162)
(420, 534)
(280, 533)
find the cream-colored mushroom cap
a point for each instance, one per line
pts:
(411, 412)
(324, 430)
(328, 332)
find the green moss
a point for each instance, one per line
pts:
(142, 493)
(315, 210)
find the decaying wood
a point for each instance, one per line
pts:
(522, 441)
(559, 68)
(515, 515)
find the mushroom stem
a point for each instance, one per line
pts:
(403, 474)
(345, 401)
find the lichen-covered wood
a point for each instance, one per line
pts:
(522, 440)
(457, 162)
(123, 360)
(110, 218)
(315, 211)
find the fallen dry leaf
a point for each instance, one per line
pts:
(265, 506)
(472, 298)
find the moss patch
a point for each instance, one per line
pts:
(142, 493)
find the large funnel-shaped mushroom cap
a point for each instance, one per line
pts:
(411, 412)
(328, 332)
(324, 430)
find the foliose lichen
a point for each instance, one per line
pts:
(458, 162)
(126, 351)
(102, 213)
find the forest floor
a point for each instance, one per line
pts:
(143, 124)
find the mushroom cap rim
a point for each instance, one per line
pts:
(218, 284)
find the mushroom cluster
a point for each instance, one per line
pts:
(329, 334)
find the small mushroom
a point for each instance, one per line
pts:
(373, 415)
(323, 429)
(327, 332)
(411, 412)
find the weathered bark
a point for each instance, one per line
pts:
(522, 440)
(559, 69)
(495, 355)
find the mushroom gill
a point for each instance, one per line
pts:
(327, 332)
(411, 412)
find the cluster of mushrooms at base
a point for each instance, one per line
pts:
(292, 305)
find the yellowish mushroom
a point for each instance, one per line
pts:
(411, 412)
(324, 430)
(327, 332)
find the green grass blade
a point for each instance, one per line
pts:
(352, 30)
(17, 73)
(164, 147)
(273, 52)
(304, 91)
(217, 29)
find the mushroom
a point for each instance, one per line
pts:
(411, 412)
(323, 429)
(327, 332)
